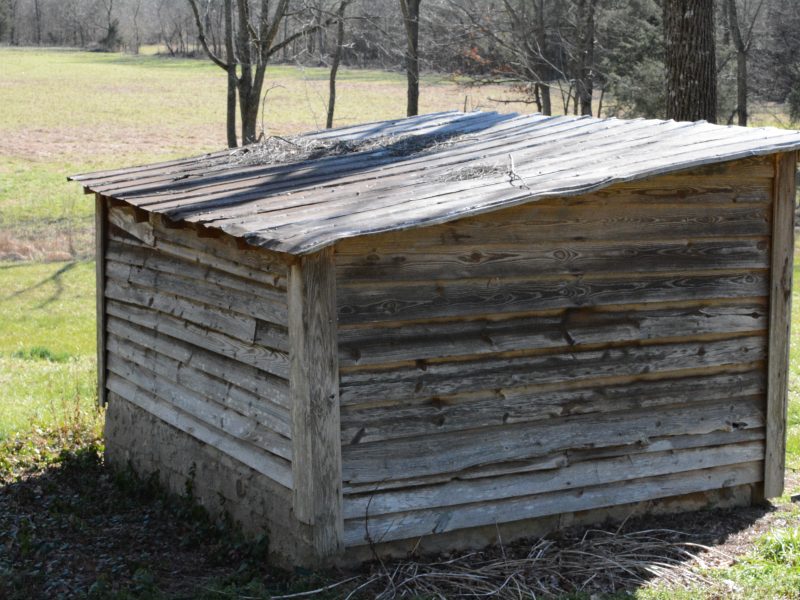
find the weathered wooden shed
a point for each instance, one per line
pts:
(452, 326)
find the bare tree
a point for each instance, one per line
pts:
(337, 58)
(743, 43)
(584, 56)
(410, 10)
(255, 46)
(690, 57)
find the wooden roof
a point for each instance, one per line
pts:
(420, 171)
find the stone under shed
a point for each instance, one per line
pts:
(431, 332)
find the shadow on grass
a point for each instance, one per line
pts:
(55, 278)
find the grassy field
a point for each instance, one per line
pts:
(102, 110)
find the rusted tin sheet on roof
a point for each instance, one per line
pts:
(302, 194)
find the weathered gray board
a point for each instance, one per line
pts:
(198, 344)
(565, 355)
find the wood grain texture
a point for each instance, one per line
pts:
(428, 522)
(270, 360)
(272, 392)
(398, 301)
(494, 408)
(432, 379)
(454, 452)
(780, 322)
(206, 292)
(314, 385)
(569, 327)
(224, 397)
(229, 323)
(633, 465)
(558, 460)
(123, 251)
(216, 416)
(620, 214)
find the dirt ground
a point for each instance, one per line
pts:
(73, 529)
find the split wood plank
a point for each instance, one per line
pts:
(551, 259)
(273, 392)
(511, 406)
(453, 452)
(270, 360)
(379, 344)
(228, 397)
(434, 379)
(564, 220)
(421, 523)
(571, 476)
(397, 301)
(235, 325)
(558, 460)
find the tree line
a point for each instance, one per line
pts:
(654, 58)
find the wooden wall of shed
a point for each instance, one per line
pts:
(196, 335)
(563, 356)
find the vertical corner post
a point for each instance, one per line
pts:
(314, 382)
(101, 244)
(780, 306)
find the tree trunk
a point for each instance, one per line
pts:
(230, 116)
(37, 16)
(741, 87)
(690, 60)
(742, 49)
(541, 38)
(337, 58)
(410, 10)
(547, 107)
(584, 73)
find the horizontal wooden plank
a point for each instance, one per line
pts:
(557, 460)
(169, 249)
(420, 523)
(273, 392)
(274, 467)
(157, 260)
(570, 476)
(233, 324)
(456, 451)
(566, 327)
(272, 361)
(257, 409)
(433, 379)
(214, 415)
(496, 407)
(207, 293)
(518, 260)
(405, 301)
(225, 248)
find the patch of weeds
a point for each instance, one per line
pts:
(42, 353)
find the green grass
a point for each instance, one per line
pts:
(47, 345)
